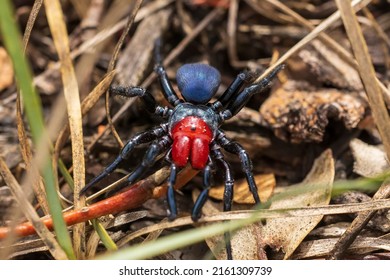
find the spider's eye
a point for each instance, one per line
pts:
(198, 82)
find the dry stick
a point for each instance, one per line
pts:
(311, 36)
(172, 55)
(111, 66)
(341, 51)
(336, 209)
(231, 32)
(379, 112)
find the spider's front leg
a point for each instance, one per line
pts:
(238, 101)
(141, 138)
(167, 89)
(148, 99)
(223, 101)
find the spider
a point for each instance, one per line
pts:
(191, 130)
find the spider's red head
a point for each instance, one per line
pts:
(198, 82)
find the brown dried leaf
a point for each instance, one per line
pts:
(300, 113)
(265, 186)
(288, 233)
(370, 161)
(244, 241)
(6, 70)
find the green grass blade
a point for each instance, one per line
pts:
(104, 236)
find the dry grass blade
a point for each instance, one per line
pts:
(30, 23)
(61, 41)
(379, 111)
(367, 72)
(29, 211)
(86, 105)
(320, 248)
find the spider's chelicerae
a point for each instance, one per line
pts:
(191, 130)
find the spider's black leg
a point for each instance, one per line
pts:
(232, 90)
(239, 101)
(171, 193)
(237, 149)
(158, 146)
(165, 84)
(138, 139)
(202, 198)
(228, 193)
(147, 97)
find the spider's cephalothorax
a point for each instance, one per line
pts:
(190, 132)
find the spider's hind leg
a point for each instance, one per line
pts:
(202, 198)
(246, 163)
(228, 192)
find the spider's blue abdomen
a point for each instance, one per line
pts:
(198, 82)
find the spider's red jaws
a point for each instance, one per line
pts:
(191, 142)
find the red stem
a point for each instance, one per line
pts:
(130, 198)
